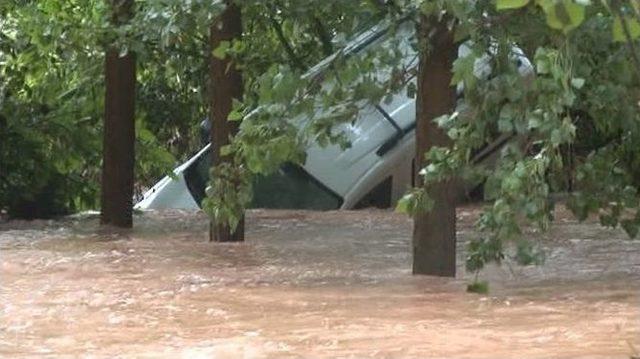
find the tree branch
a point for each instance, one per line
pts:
(277, 27)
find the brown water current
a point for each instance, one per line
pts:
(306, 285)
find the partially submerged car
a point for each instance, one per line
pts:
(375, 171)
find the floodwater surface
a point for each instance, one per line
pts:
(306, 285)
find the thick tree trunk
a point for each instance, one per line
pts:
(434, 232)
(226, 84)
(119, 132)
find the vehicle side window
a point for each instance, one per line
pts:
(289, 188)
(293, 188)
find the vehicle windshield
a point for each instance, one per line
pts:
(291, 187)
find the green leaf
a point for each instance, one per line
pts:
(510, 4)
(220, 52)
(543, 61)
(235, 115)
(577, 82)
(226, 150)
(564, 15)
(505, 120)
(404, 204)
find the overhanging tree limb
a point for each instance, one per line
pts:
(277, 27)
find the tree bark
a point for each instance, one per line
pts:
(225, 85)
(118, 156)
(434, 232)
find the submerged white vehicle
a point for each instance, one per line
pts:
(375, 171)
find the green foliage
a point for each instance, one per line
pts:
(564, 15)
(510, 4)
(48, 99)
(51, 105)
(229, 194)
(583, 96)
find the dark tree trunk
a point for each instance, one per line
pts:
(118, 154)
(434, 232)
(226, 85)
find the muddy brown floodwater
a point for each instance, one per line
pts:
(305, 285)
